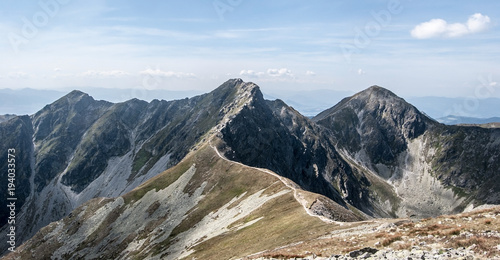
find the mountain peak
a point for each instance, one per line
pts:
(76, 95)
(238, 84)
(238, 92)
(376, 88)
(377, 92)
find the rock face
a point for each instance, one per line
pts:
(271, 135)
(233, 157)
(434, 168)
(16, 134)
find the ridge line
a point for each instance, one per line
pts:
(285, 181)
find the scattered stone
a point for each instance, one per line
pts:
(362, 251)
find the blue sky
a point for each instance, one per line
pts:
(415, 48)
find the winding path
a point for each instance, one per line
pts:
(288, 183)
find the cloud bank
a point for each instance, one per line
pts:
(436, 28)
(168, 74)
(273, 73)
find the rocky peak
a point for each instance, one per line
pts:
(375, 99)
(233, 96)
(379, 91)
(378, 120)
(73, 99)
(236, 88)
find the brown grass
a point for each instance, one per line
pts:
(452, 232)
(391, 239)
(403, 246)
(483, 244)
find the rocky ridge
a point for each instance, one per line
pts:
(78, 148)
(371, 155)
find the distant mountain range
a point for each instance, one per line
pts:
(228, 174)
(466, 107)
(456, 120)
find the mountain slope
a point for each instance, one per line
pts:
(77, 148)
(435, 169)
(240, 169)
(204, 207)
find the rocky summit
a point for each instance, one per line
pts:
(229, 175)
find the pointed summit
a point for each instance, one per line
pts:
(379, 91)
(379, 95)
(237, 86)
(76, 93)
(74, 97)
(378, 120)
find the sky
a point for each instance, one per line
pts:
(414, 48)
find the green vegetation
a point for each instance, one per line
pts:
(140, 159)
(161, 181)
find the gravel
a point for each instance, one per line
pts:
(414, 253)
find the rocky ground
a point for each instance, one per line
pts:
(471, 235)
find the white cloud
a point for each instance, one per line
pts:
(478, 22)
(251, 73)
(310, 73)
(440, 28)
(361, 72)
(57, 69)
(167, 74)
(104, 74)
(270, 73)
(283, 72)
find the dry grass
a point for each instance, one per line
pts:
(454, 231)
(391, 239)
(479, 244)
(451, 232)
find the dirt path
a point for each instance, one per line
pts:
(288, 183)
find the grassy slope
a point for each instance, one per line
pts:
(282, 220)
(478, 230)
